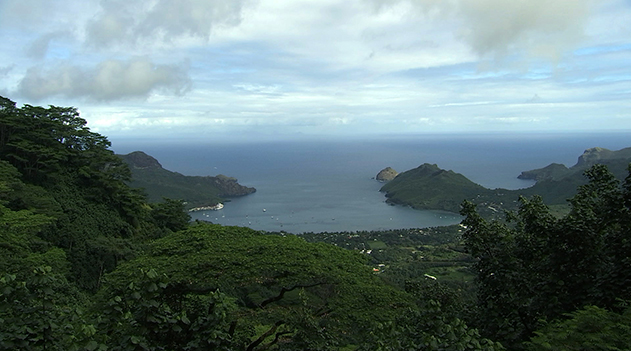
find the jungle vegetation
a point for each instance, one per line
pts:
(90, 264)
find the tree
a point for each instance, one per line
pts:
(288, 292)
(536, 267)
(432, 326)
(590, 328)
(170, 214)
(151, 313)
(42, 312)
(55, 169)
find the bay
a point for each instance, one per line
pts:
(318, 185)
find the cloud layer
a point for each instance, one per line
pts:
(109, 80)
(498, 28)
(540, 27)
(136, 23)
(322, 66)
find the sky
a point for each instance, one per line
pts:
(274, 69)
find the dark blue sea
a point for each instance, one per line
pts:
(328, 185)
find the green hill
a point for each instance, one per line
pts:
(556, 183)
(553, 171)
(429, 187)
(196, 191)
(616, 161)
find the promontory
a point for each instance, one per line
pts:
(429, 187)
(195, 191)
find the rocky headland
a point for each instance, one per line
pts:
(195, 191)
(617, 161)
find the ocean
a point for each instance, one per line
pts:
(328, 185)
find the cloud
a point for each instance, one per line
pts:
(499, 28)
(132, 22)
(110, 80)
(539, 27)
(4, 71)
(40, 46)
(25, 13)
(259, 89)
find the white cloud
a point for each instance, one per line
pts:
(258, 89)
(346, 35)
(499, 28)
(110, 80)
(40, 46)
(340, 120)
(120, 23)
(36, 15)
(4, 71)
(537, 27)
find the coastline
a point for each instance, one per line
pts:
(216, 207)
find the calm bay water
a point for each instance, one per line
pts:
(317, 186)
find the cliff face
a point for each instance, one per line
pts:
(615, 160)
(601, 155)
(229, 186)
(386, 174)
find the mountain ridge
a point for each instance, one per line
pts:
(195, 191)
(590, 157)
(429, 187)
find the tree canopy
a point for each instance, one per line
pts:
(62, 187)
(279, 282)
(536, 267)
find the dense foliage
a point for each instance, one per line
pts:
(89, 264)
(64, 197)
(279, 283)
(536, 267)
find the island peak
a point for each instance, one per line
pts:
(198, 192)
(140, 160)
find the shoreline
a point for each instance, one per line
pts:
(216, 207)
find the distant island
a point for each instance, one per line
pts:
(197, 192)
(429, 187)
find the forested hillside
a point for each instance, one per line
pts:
(429, 187)
(65, 196)
(533, 268)
(158, 183)
(89, 264)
